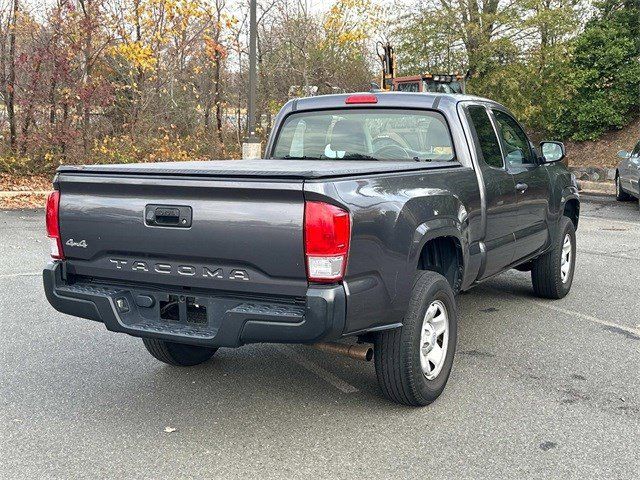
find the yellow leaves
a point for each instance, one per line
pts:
(350, 22)
(182, 12)
(137, 54)
(166, 144)
(351, 37)
(160, 21)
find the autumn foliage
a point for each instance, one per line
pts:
(86, 81)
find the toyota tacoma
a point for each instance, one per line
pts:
(368, 215)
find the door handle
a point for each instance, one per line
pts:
(521, 187)
(168, 216)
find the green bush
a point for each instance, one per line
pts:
(605, 73)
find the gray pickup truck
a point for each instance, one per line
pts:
(369, 213)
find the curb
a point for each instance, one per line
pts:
(594, 174)
(596, 193)
(596, 188)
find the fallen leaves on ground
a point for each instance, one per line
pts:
(28, 200)
(13, 183)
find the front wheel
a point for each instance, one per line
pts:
(178, 354)
(413, 362)
(552, 273)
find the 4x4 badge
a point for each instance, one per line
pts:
(72, 243)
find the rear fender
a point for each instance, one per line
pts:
(440, 228)
(435, 228)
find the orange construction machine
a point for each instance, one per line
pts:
(425, 82)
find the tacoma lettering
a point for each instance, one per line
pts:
(183, 270)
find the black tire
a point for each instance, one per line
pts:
(397, 352)
(621, 195)
(178, 354)
(545, 274)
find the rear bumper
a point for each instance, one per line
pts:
(228, 321)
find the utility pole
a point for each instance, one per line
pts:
(251, 148)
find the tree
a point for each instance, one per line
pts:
(514, 52)
(9, 66)
(605, 73)
(460, 35)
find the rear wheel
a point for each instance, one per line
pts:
(178, 354)
(621, 195)
(413, 363)
(552, 273)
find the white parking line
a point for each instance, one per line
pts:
(610, 220)
(584, 316)
(328, 377)
(16, 275)
(606, 254)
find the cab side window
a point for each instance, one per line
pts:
(486, 136)
(515, 141)
(636, 151)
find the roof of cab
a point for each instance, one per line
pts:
(444, 102)
(385, 99)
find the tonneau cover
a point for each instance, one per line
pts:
(299, 169)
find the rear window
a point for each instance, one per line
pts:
(365, 134)
(408, 86)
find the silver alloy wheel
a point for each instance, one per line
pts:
(617, 186)
(434, 339)
(565, 261)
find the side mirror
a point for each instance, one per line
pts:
(552, 151)
(624, 154)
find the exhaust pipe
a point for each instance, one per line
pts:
(357, 351)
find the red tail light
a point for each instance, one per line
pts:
(53, 226)
(361, 98)
(327, 231)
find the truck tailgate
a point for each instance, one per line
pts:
(244, 236)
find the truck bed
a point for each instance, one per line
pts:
(272, 168)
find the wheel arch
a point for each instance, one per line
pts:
(571, 209)
(441, 250)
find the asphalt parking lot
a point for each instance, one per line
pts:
(539, 389)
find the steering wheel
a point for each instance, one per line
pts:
(390, 152)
